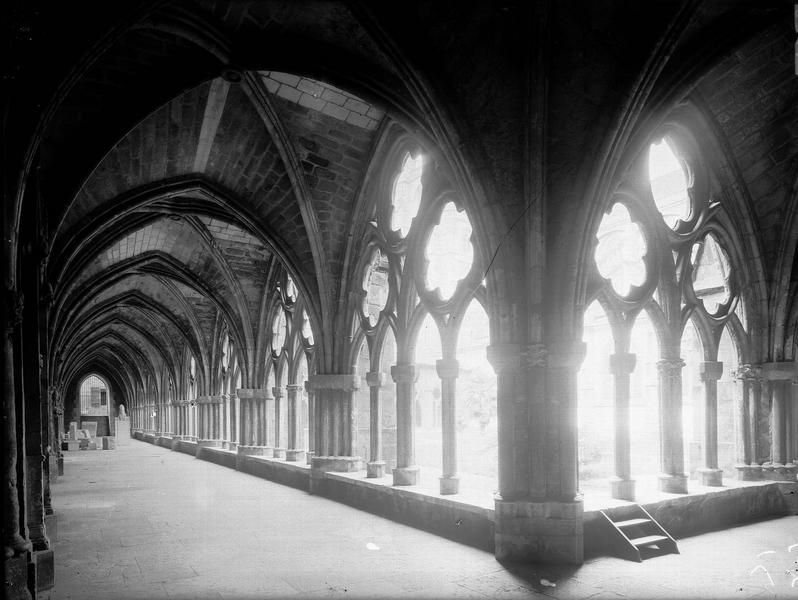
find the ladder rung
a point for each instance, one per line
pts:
(631, 522)
(649, 539)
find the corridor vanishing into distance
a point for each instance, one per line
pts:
(389, 296)
(145, 522)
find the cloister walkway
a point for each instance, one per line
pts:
(142, 521)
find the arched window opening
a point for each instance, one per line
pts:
(279, 331)
(388, 402)
(406, 194)
(449, 251)
(644, 415)
(669, 183)
(692, 353)
(362, 427)
(290, 289)
(269, 409)
(595, 407)
(375, 284)
(728, 390)
(301, 380)
(477, 427)
(620, 251)
(307, 330)
(281, 406)
(428, 400)
(710, 273)
(95, 397)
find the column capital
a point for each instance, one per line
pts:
(346, 382)
(670, 366)
(404, 373)
(780, 371)
(251, 393)
(504, 357)
(623, 363)
(295, 387)
(567, 354)
(710, 370)
(278, 392)
(376, 379)
(748, 372)
(447, 368)
(210, 399)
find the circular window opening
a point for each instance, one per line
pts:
(620, 251)
(669, 182)
(449, 251)
(406, 194)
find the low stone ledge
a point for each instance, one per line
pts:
(219, 456)
(295, 475)
(186, 447)
(458, 521)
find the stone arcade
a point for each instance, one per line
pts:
(522, 257)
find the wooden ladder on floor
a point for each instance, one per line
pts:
(638, 536)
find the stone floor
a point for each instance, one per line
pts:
(145, 522)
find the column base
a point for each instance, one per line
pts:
(232, 446)
(748, 472)
(208, 443)
(309, 456)
(319, 465)
(673, 484)
(711, 477)
(51, 527)
(250, 450)
(622, 489)
(294, 455)
(60, 462)
(375, 469)
(539, 532)
(16, 577)
(279, 453)
(449, 485)
(779, 472)
(405, 475)
(44, 572)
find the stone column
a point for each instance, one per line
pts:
(311, 422)
(742, 426)
(334, 422)
(448, 370)
(780, 376)
(295, 452)
(375, 468)
(710, 372)
(538, 516)
(672, 479)
(250, 441)
(209, 421)
(267, 423)
(622, 486)
(406, 471)
(279, 407)
(15, 546)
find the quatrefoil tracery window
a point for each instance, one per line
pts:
(663, 233)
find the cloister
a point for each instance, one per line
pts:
(480, 268)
